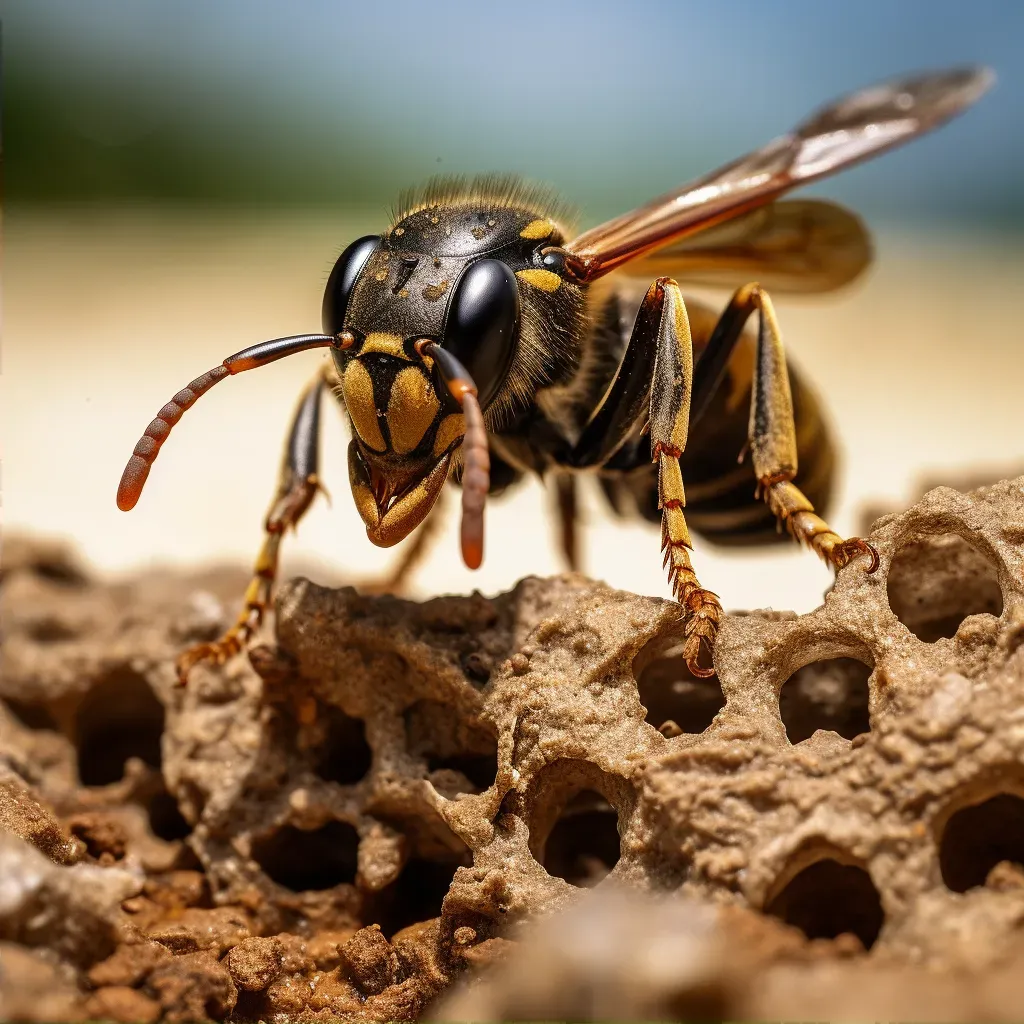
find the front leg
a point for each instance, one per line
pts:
(297, 487)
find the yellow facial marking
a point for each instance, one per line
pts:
(411, 409)
(358, 391)
(389, 344)
(362, 492)
(452, 427)
(537, 229)
(545, 280)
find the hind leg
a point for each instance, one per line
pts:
(772, 438)
(297, 486)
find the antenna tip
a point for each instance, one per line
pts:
(473, 553)
(132, 481)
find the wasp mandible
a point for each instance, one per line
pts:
(474, 341)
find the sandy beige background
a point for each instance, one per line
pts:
(108, 314)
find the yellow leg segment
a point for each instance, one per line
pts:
(703, 609)
(291, 502)
(772, 434)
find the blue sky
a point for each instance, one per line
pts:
(611, 102)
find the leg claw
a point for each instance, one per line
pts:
(217, 653)
(704, 612)
(843, 554)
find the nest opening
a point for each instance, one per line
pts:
(480, 769)
(415, 896)
(345, 756)
(305, 859)
(576, 814)
(676, 701)
(829, 694)
(584, 844)
(829, 898)
(165, 818)
(438, 733)
(119, 718)
(977, 838)
(936, 582)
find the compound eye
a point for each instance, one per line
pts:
(343, 279)
(483, 322)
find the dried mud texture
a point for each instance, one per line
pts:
(374, 805)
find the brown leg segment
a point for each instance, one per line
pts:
(669, 419)
(568, 519)
(298, 485)
(772, 433)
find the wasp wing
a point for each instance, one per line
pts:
(853, 129)
(803, 245)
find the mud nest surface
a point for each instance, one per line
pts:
(398, 809)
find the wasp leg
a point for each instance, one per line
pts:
(625, 404)
(568, 517)
(297, 486)
(670, 419)
(772, 433)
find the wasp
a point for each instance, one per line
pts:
(475, 341)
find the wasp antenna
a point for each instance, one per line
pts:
(476, 472)
(476, 481)
(133, 479)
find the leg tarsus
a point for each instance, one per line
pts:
(298, 486)
(791, 506)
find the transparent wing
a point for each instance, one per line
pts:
(788, 246)
(853, 129)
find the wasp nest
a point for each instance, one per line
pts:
(368, 808)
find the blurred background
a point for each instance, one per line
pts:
(180, 178)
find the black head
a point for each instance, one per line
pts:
(467, 271)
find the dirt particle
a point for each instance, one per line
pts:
(254, 962)
(370, 960)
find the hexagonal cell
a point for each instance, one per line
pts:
(829, 898)
(574, 813)
(301, 859)
(344, 756)
(676, 700)
(828, 694)
(936, 582)
(119, 718)
(978, 837)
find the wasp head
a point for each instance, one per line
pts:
(464, 274)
